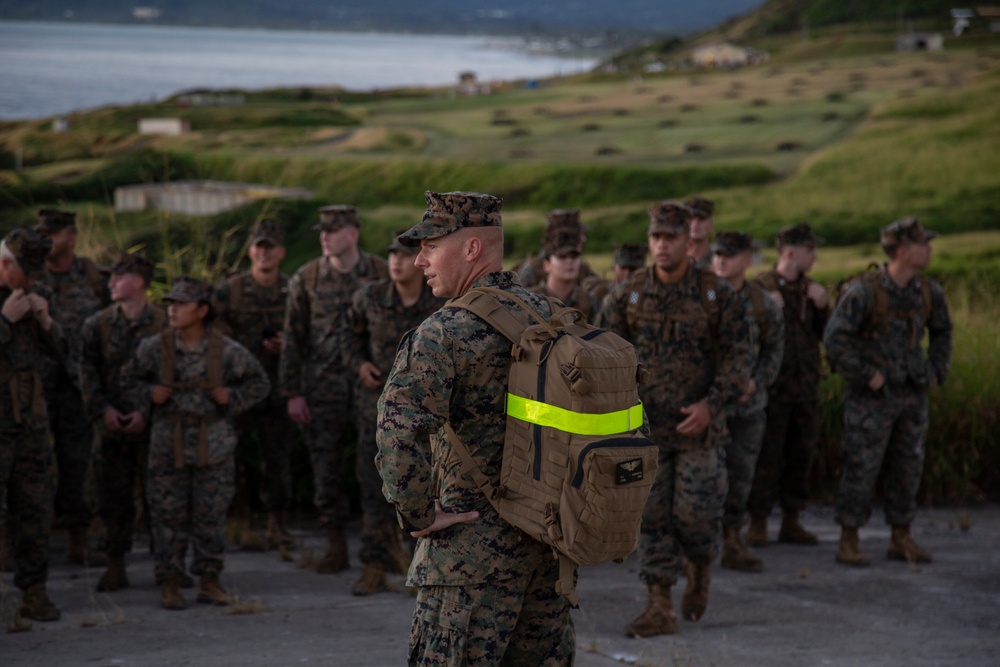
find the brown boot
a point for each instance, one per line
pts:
(79, 553)
(170, 594)
(659, 617)
(277, 534)
(114, 578)
(792, 531)
(211, 591)
(372, 580)
(849, 549)
(735, 555)
(903, 547)
(757, 535)
(336, 558)
(695, 599)
(36, 605)
(7, 560)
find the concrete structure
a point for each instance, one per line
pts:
(919, 41)
(165, 126)
(198, 197)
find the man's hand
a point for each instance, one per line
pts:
(112, 420)
(40, 309)
(370, 375)
(298, 410)
(444, 519)
(877, 381)
(698, 419)
(220, 395)
(133, 423)
(161, 394)
(17, 305)
(817, 294)
(751, 390)
(778, 299)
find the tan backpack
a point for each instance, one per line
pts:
(576, 468)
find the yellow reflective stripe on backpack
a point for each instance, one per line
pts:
(579, 423)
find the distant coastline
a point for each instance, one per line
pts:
(52, 68)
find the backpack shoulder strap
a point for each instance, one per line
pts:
(213, 358)
(482, 301)
(168, 358)
(757, 304)
(235, 288)
(928, 298)
(767, 281)
(880, 303)
(310, 274)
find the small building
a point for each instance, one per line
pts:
(726, 55)
(919, 41)
(469, 85)
(170, 127)
(199, 197)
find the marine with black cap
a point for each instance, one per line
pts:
(879, 349)
(30, 340)
(487, 594)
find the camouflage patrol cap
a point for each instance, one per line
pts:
(136, 264)
(51, 220)
(268, 231)
(186, 289)
(630, 255)
(336, 217)
(800, 234)
(396, 246)
(701, 207)
(728, 244)
(448, 212)
(29, 248)
(563, 244)
(669, 217)
(561, 218)
(906, 230)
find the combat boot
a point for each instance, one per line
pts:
(277, 534)
(115, 577)
(757, 535)
(735, 555)
(36, 605)
(659, 617)
(849, 550)
(79, 553)
(695, 600)
(211, 591)
(336, 558)
(170, 594)
(792, 531)
(372, 580)
(903, 547)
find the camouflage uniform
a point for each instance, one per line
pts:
(578, 298)
(688, 362)
(559, 221)
(109, 340)
(192, 443)
(793, 409)
(487, 594)
(375, 325)
(78, 294)
(26, 461)
(888, 425)
(312, 366)
(255, 314)
(745, 421)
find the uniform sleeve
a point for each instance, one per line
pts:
(295, 335)
(939, 329)
(842, 336)
(245, 378)
(772, 343)
(732, 372)
(355, 332)
(612, 316)
(95, 397)
(413, 406)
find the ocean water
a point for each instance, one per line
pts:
(53, 68)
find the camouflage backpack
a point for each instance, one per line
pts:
(576, 468)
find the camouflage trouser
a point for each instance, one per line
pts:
(269, 430)
(682, 513)
(520, 621)
(889, 426)
(26, 468)
(118, 460)
(786, 456)
(188, 506)
(327, 438)
(742, 449)
(378, 525)
(73, 438)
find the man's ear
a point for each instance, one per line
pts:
(473, 248)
